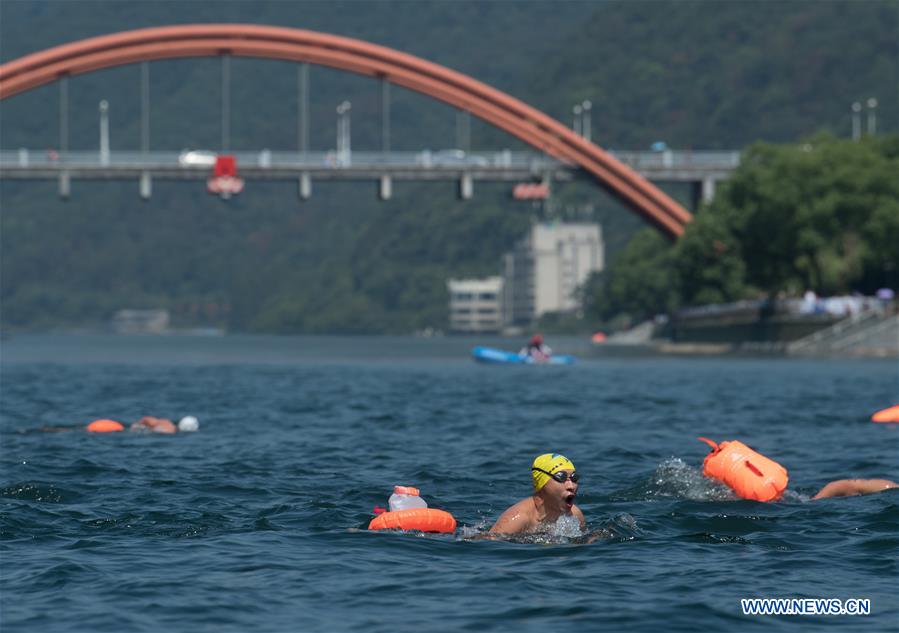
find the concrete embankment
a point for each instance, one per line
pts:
(872, 334)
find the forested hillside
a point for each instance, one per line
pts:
(695, 74)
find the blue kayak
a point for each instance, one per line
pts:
(500, 357)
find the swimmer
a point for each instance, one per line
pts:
(753, 476)
(555, 488)
(149, 424)
(854, 487)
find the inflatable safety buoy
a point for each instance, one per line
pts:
(749, 474)
(890, 414)
(420, 519)
(105, 426)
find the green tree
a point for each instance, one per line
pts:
(820, 214)
(638, 284)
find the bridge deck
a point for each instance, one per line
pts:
(426, 165)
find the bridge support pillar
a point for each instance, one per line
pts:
(305, 186)
(708, 189)
(146, 185)
(466, 187)
(385, 187)
(65, 185)
(702, 192)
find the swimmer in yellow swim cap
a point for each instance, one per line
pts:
(555, 488)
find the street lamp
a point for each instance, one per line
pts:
(872, 116)
(104, 132)
(343, 133)
(577, 119)
(856, 121)
(585, 124)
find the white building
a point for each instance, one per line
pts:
(544, 271)
(141, 321)
(476, 304)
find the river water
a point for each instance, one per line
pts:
(256, 522)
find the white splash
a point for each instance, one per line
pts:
(675, 478)
(567, 526)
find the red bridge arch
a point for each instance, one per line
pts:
(497, 108)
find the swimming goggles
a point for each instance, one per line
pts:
(560, 476)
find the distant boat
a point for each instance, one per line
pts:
(493, 356)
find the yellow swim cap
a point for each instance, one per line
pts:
(551, 463)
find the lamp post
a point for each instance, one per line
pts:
(856, 121)
(577, 119)
(104, 132)
(343, 133)
(585, 124)
(872, 116)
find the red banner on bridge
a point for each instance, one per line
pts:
(224, 180)
(530, 191)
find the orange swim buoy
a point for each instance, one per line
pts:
(420, 519)
(749, 474)
(890, 414)
(105, 426)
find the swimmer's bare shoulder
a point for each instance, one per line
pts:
(522, 517)
(576, 511)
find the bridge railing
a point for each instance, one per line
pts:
(682, 159)
(442, 159)
(25, 158)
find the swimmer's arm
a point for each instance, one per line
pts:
(853, 487)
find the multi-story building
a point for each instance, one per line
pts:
(543, 272)
(476, 305)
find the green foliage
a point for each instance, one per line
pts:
(639, 284)
(822, 214)
(710, 74)
(709, 262)
(819, 214)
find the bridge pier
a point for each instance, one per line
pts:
(385, 187)
(146, 185)
(466, 187)
(65, 185)
(703, 191)
(305, 186)
(708, 189)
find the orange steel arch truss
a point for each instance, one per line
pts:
(493, 106)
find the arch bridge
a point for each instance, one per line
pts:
(528, 124)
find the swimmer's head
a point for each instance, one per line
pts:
(188, 423)
(546, 465)
(537, 339)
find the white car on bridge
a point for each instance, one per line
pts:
(197, 158)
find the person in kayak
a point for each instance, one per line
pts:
(555, 488)
(536, 349)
